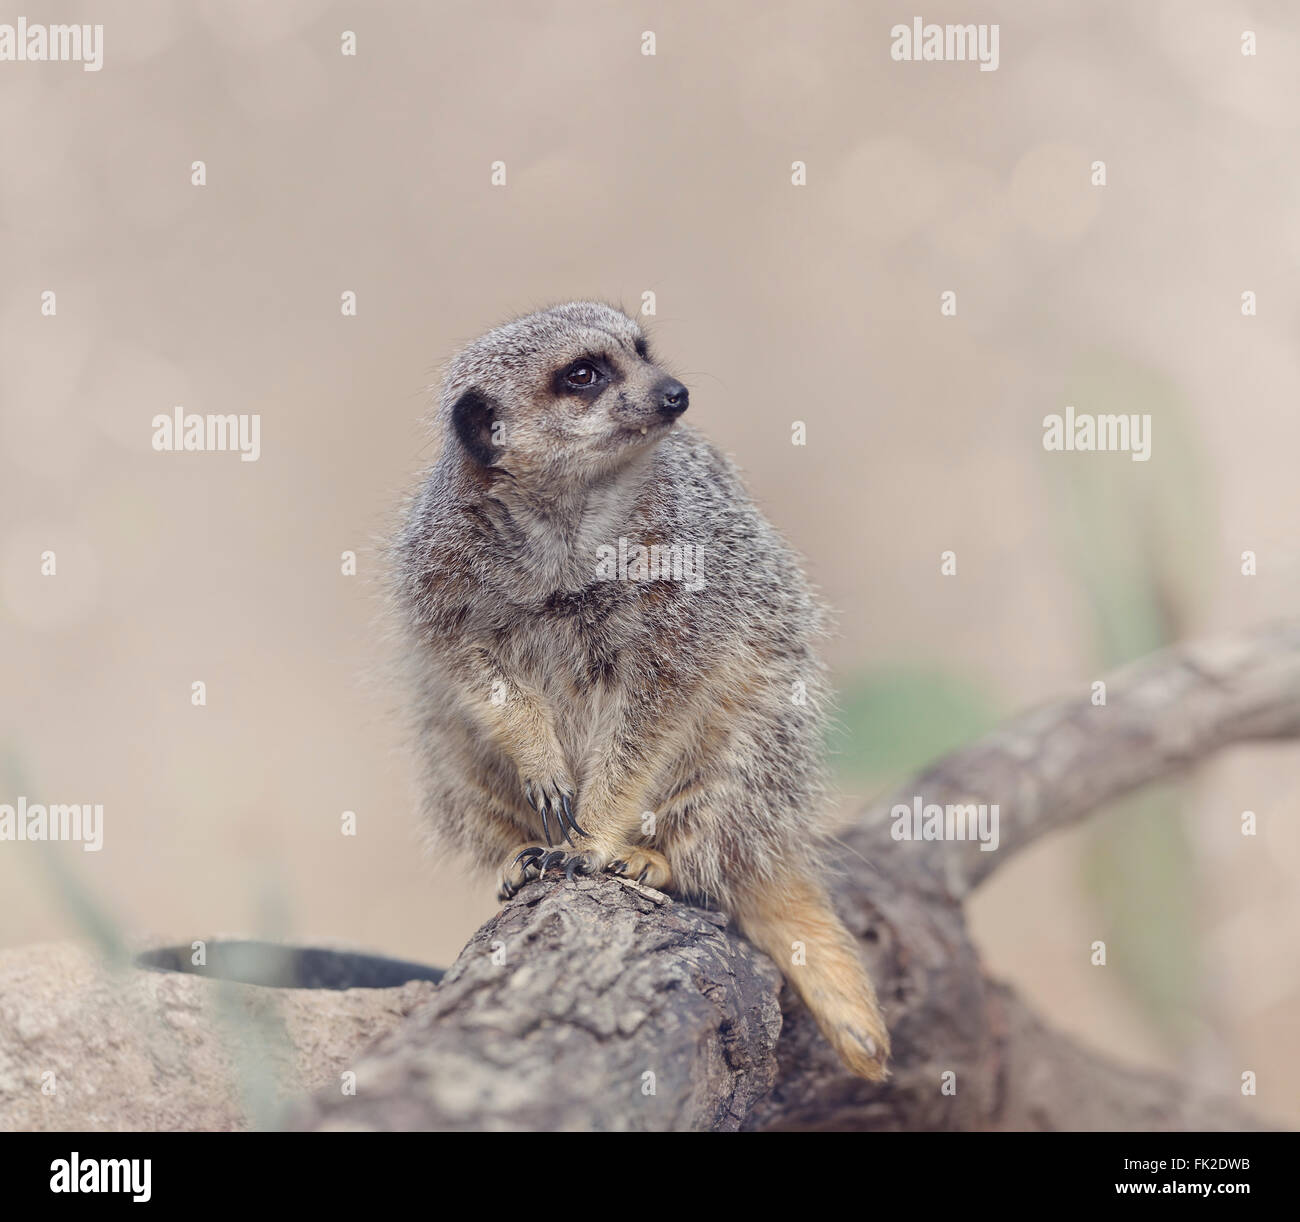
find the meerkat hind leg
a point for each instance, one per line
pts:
(643, 865)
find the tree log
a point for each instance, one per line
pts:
(598, 1004)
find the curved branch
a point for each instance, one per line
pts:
(1050, 767)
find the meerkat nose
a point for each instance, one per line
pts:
(673, 398)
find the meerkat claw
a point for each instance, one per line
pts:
(566, 812)
(551, 859)
(531, 854)
(555, 805)
(542, 805)
(575, 865)
(564, 831)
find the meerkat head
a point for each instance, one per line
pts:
(570, 393)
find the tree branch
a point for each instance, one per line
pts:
(567, 1008)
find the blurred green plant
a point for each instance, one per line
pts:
(894, 720)
(90, 914)
(1139, 537)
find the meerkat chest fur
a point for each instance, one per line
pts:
(560, 616)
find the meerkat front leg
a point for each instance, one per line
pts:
(518, 717)
(520, 721)
(636, 746)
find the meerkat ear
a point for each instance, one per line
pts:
(472, 416)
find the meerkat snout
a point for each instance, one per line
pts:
(673, 398)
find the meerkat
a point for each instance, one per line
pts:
(575, 717)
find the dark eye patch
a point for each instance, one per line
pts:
(600, 362)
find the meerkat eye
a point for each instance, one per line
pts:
(582, 374)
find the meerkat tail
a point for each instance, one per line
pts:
(793, 921)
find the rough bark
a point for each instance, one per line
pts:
(603, 983)
(584, 1004)
(89, 1044)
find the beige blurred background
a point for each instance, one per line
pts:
(671, 174)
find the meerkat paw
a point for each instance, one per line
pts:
(554, 801)
(642, 865)
(529, 861)
(524, 863)
(647, 866)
